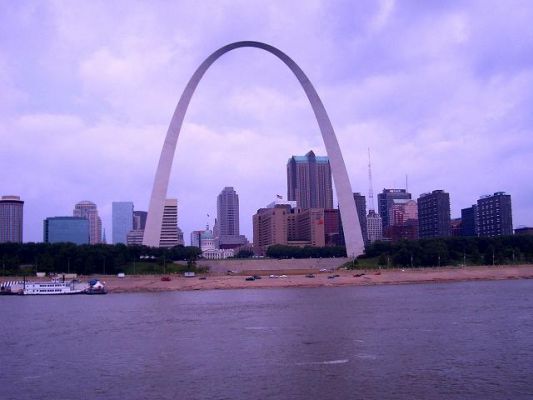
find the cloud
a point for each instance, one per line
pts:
(438, 91)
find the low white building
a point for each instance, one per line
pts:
(218, 254)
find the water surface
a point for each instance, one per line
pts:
(470, 340)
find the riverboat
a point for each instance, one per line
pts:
(57, 286)
(53, 287)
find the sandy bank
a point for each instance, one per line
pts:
(297, 278)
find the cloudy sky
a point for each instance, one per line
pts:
(439, 91)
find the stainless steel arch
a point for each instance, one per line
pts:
(350, 219)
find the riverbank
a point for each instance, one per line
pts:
(297, 278)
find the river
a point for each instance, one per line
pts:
(467, 340)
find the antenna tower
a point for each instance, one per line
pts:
(370, 189)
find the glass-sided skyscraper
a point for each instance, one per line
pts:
(66, 229)
(122, 215)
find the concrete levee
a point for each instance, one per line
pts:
(268, 264)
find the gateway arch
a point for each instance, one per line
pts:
(350, 219)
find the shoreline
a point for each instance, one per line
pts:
(153, 283)
(297, 278)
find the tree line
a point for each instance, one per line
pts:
(453, 251)
(28, 258)
(427, 252)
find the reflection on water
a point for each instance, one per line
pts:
(436, 341)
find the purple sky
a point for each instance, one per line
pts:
(441, 91)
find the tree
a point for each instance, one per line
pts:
(244, 253)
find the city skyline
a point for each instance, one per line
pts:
(453, 89)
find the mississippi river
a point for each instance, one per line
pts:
(467, 340)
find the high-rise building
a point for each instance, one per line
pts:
(270, 227)
(309, 181)
(495, 215)
(88, 210)
(360, 205)
(122, 215)
(403, 220)
(469, 221)
(374, 226)
(135, 237)
(226, 229)
(181, 241)
(332, 227)
(434, 214)
(169, 228)
(139, 220)
(374, 223)
(455, 226)
(228, 212)
(195, 238)
(385, 202)
(66, 229)
(11, 219)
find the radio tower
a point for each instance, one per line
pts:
(373, 220)
(370, 189)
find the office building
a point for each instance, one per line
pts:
(181, 241)
(456, 227)
(135, 237)
(385, 202)
(11, 219)
(403, 220)
(434, 215)
(226, 229)
(228, 212)
(66, 229)
(139, 219)
(360, 205)
(469, 221)
(309, 181)
(332, 227)
(270, 227)
(195, 238)
(495, 215)
(88, 210)
(374, 226)
(122, 218)
(169, 228)
(286, 226)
